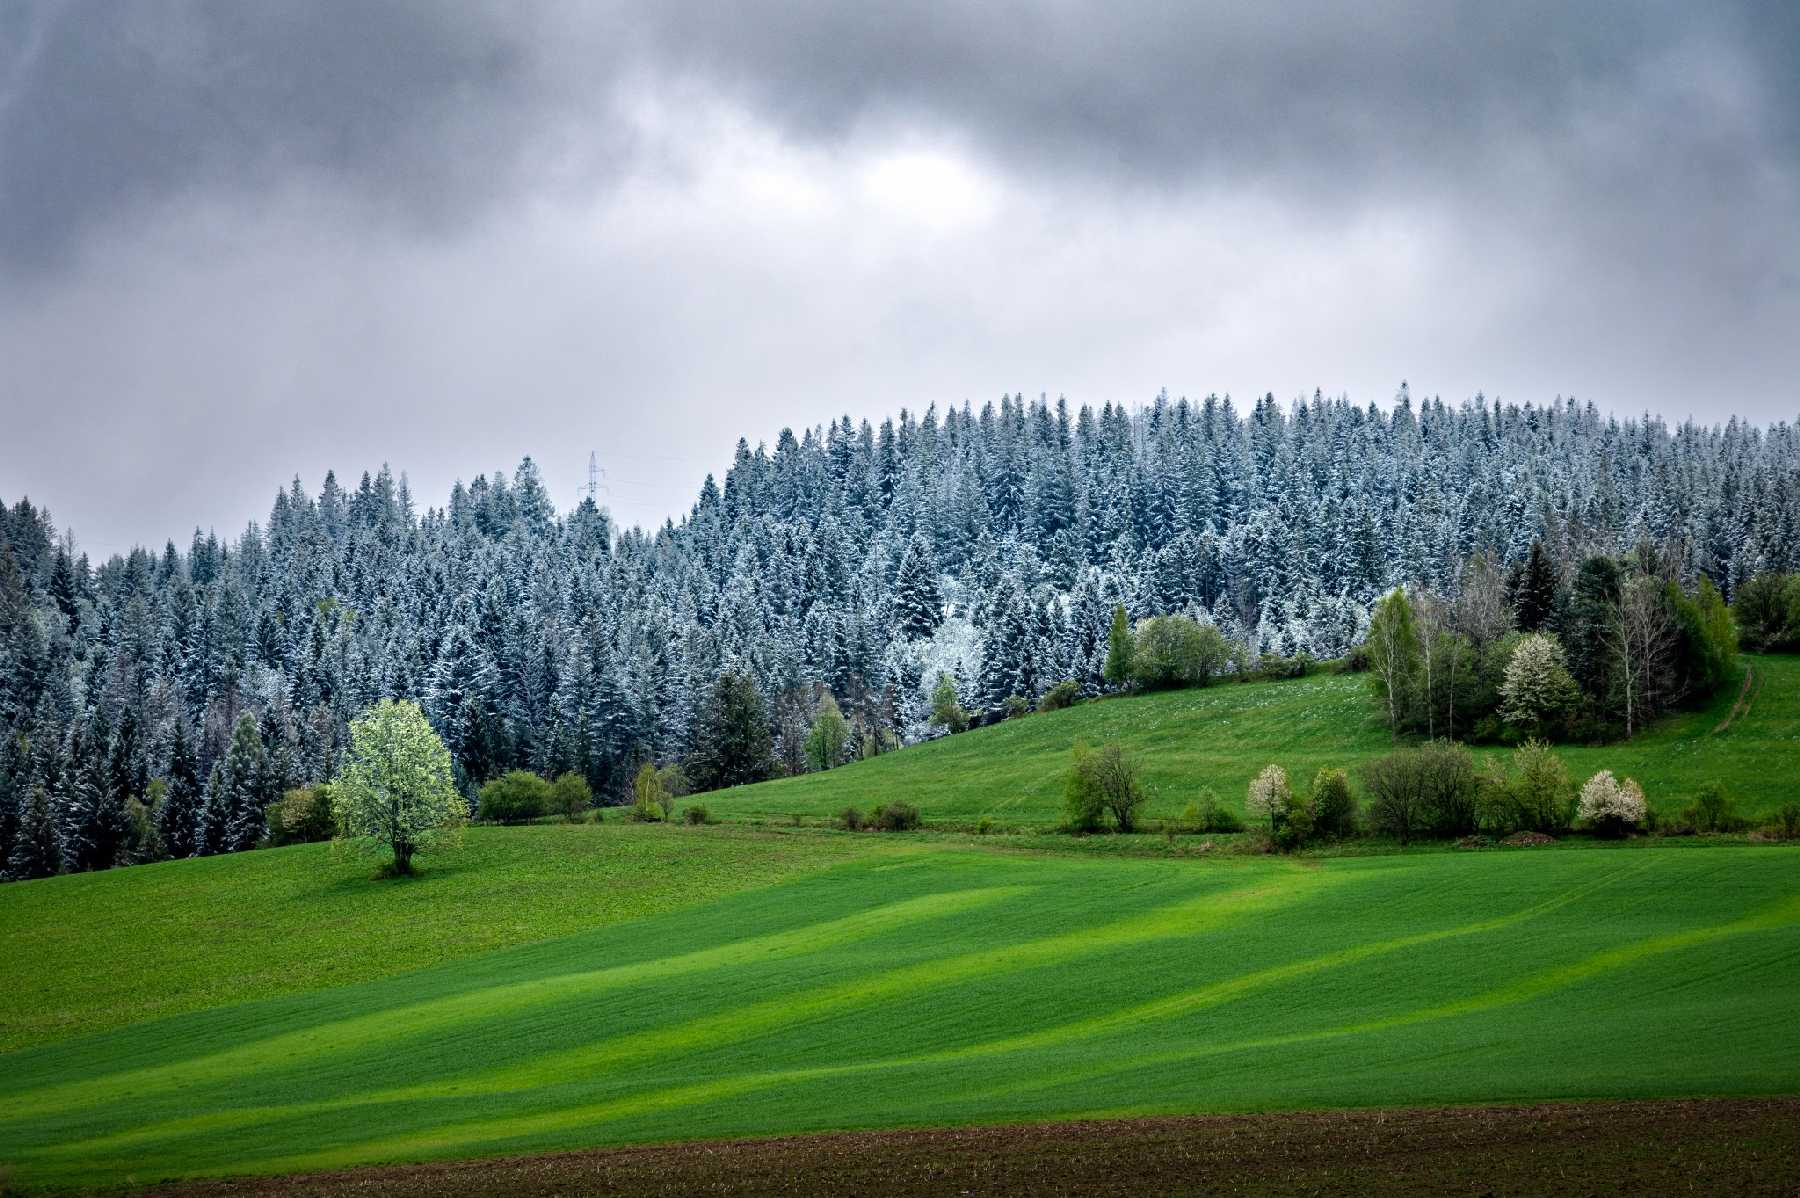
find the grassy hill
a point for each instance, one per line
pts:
(90, 951)
(913, 982)
(1221, 736)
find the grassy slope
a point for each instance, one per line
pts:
(1221, 736)
(924, 983)
(93, 951)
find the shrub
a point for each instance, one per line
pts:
(1415, 792)
(1062, 695)
(1333, 805)
(852, 819)
(1269, 795)
(1541, 790)
(571, 796)
(1016, 705)
(1787, 821)
(1102, 782)
(513, 798)
(1210, 815)
(696, 813)
(1711, 810)
(895, 816)
(302, 816)
(1172, 651)
(1611, 807)
(1296, 824)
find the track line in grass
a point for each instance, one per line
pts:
(1783, 914)
(614, 1054)
(434, 1016)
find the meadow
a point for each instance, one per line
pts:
(1219, 737)
(905, 981)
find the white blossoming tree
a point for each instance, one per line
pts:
(1537, 691)
(1609, 806)
(395, 792)
(1269, 795)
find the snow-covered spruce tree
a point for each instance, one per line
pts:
(918, 604)
(395, 794)
(36, 849)
(535, 641)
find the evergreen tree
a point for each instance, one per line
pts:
(37, 850)
(1535, 591)
(1119, 645)
(178, 814)
(918, 605)
(245, 781)
(732, 744)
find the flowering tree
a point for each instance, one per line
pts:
(395, 792)
(1269, 795)
(1538, 690)
(1609, 806)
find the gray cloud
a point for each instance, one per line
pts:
(239, 241)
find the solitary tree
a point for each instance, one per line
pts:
(946, 712)
(395, 792)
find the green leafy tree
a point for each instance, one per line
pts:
(1102, 782)
(1119, 646)
(1393, 652)
(829, 733)
(1540, 788)
(1333, 805)
(395, 793)
(946, 712)
(650, 799)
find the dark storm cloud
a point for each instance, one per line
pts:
(243, 239)
(433, 111)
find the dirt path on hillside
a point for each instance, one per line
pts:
(1720, 1146)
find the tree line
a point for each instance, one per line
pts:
(987, 549)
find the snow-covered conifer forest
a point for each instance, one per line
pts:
(989, 545)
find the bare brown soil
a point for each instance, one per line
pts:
(1716, 1146)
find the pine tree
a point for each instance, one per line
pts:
(1535, 591)
(37, 850)
(918, 604)
(244, 782)
(210, 826)
(1119, 647)
(732, 743)
(178, 815)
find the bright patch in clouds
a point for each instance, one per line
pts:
(930, 187)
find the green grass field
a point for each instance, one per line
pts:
(1221, 736)
(900, 981)
(92, 951)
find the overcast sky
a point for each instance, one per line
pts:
(250, 239)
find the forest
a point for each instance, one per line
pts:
(986, 551)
